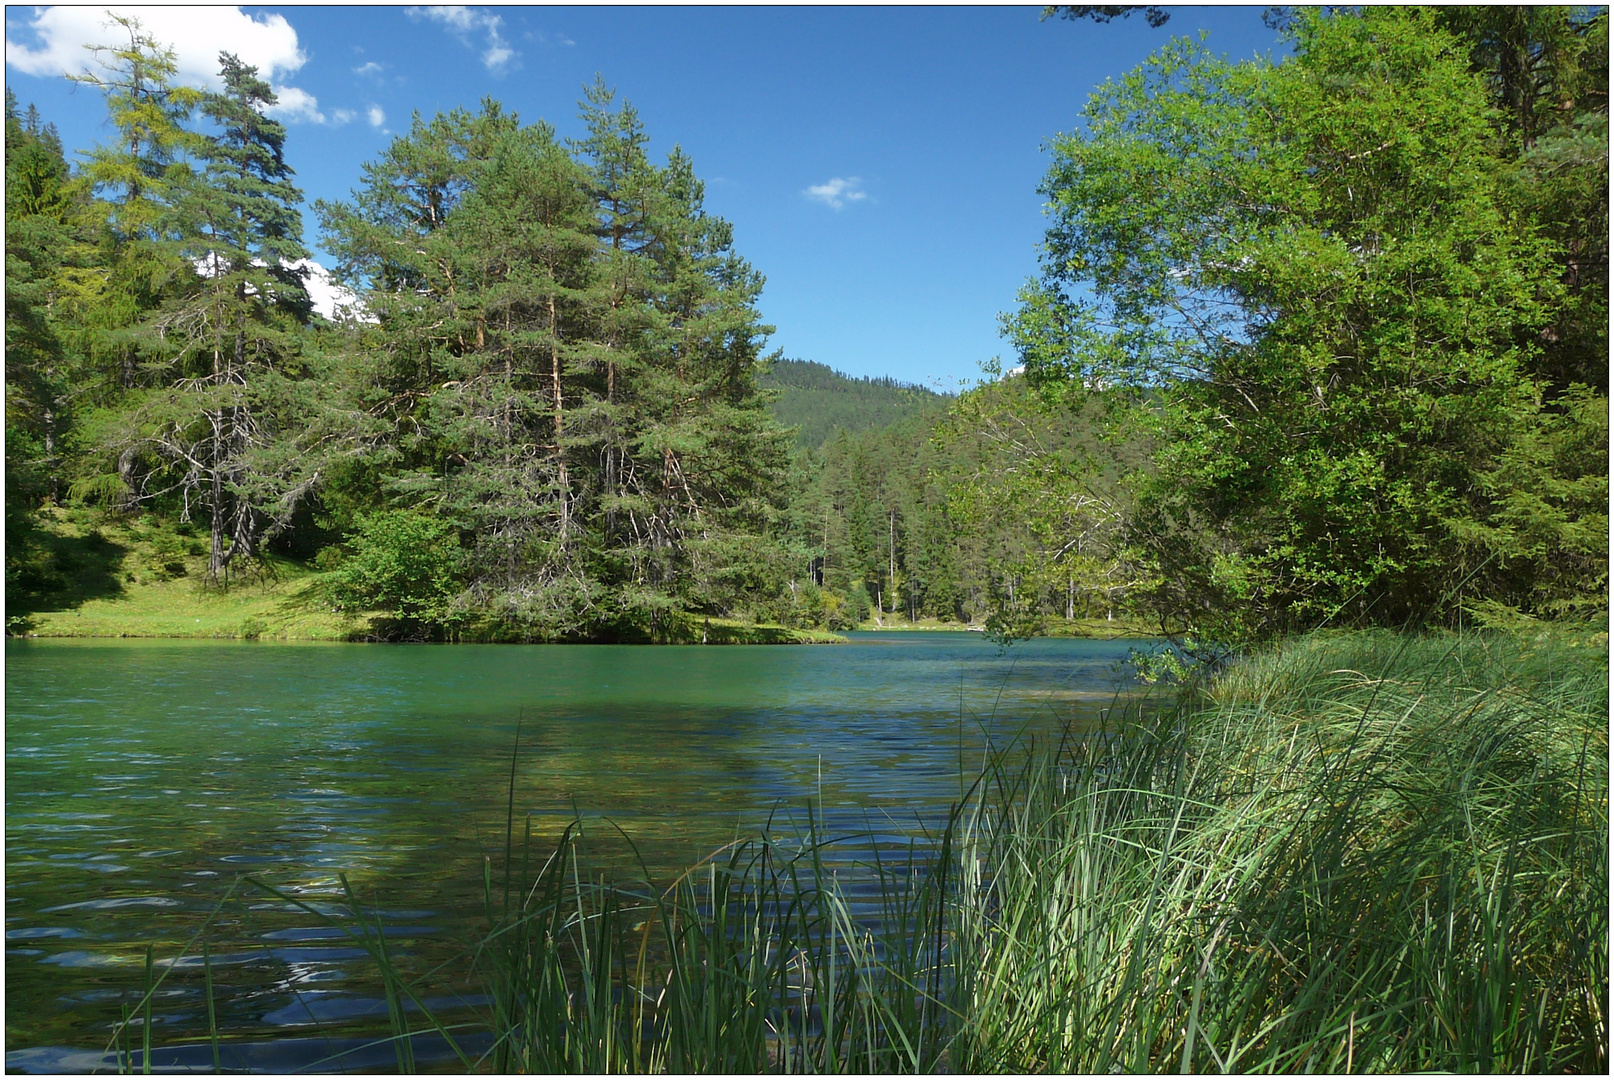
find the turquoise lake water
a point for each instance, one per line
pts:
(144, 778)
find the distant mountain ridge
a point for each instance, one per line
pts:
(818, 400)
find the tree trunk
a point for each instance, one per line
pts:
(126, 473)
(248, 526)
(892, 566)
(216, 557)
(560, 459)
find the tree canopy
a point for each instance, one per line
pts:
(1332, 290)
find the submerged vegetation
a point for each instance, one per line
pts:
(1358, 852)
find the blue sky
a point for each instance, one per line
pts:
(879, 165)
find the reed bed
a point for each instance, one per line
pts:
(1359, 852)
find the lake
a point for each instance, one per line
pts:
(143, 778)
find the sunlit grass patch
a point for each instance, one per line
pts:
(154, 586)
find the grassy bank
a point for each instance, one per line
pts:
(1353, 853)
(102, 576)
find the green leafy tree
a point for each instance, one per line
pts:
(1042, 492)
(1546, 69)
(1313, 278)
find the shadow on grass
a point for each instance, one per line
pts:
(46, 571)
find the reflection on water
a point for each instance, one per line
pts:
(144, 778)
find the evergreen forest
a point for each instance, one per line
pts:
(1316, 341)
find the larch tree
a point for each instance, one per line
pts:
(226, 412)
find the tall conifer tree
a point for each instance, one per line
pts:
(227, 414)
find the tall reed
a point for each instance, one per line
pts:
(1354, 853)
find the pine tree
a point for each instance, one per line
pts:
(108, 294)
(568, 349)
(529, 284)
(623, 185)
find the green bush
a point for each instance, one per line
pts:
(166, 559)
(403, 566)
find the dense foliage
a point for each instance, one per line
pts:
(563, 348)
(544, 414)
(1359, 298)
(552, 353)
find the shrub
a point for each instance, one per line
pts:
(404, 566)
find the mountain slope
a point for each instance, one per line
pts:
(817, 400)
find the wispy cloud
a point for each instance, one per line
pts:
(377, 117)
(837, 192)
(462, 22)
(370, 68)
(342, 116)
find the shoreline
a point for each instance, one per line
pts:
(728, 634)
(140, 578)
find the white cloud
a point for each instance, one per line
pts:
(294, 105)
(464, 21)
(377, 117)
(370, 68)
(838, 192)
(63, 36)
(342, 116)
(196, 34)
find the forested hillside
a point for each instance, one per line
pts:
(1321, 341)
(817, 401)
